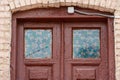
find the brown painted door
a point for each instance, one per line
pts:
(62, 51)
(85, 51)
(38, 55)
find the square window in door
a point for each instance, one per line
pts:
(86, 43)
(38, 43)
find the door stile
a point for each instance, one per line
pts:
(56, 53)
(20, 50)
(68, 52)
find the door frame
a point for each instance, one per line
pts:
(46, 15)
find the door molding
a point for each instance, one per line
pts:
(60, 14)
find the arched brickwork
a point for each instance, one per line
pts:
(102, 5)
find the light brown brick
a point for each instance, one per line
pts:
(7, 34)
(117, 51)
(117, 39)
(28, 2)
(62, 2)
(17, 3)
(5, 20)
(12, 5)
(5, 62)
(54, 3)
(3, 2)
(33, 1)
(108, 3)
(68, 2)
(5, 54)
(74, 2)
(22, 2)
(117, 32)
(113, 4)
(1, 34)
(117, 13)
(116, 27)
(91, 3)
(45, 3)
(97, 2)
(2, 8)
(85, 3)
(102, 3)
(4, 40)
(118, 5)
(4, 75)
(5, 27)
(117, 45)
(6, 8)
(80, 3)
(39, 1)
(5, 14)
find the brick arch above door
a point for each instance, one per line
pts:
(101, 5)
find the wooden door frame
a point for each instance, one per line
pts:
(46, 15)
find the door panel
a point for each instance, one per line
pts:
(38, 51)
(86, 43)
(87, 58)
(38, 43)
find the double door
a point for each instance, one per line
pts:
(62, 51)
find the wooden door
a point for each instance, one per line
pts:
(86, 51)
(38, 52)
(62, 51)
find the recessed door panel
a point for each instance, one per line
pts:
(38, 43)
(86, 43)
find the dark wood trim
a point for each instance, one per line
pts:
(51, 14)
(111, 51)
(13, 51)
(46, 15)
(19, 52)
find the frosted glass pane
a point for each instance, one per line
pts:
(38, 43)
(86, 43)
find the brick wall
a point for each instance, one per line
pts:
(7, 7)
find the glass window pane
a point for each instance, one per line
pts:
(86, 43)
(38, 43)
